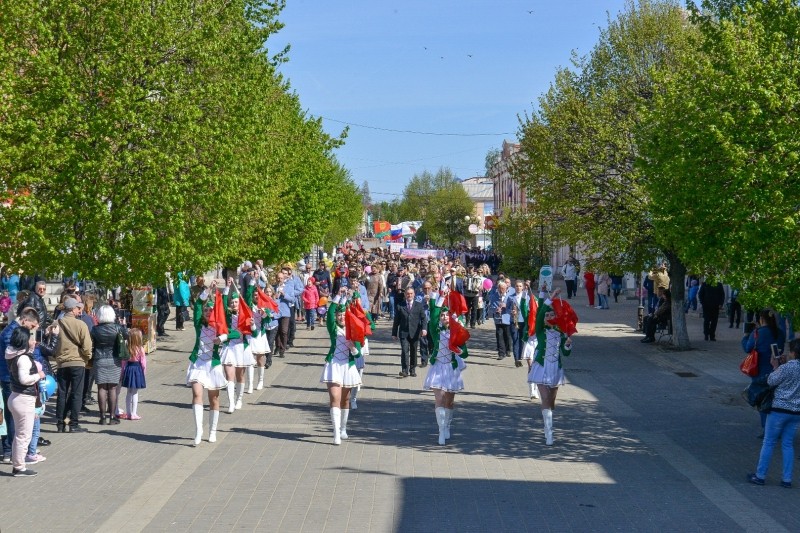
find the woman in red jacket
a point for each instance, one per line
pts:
(588, 282)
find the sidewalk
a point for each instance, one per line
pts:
(646, 439)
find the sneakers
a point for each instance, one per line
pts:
(23, 473)
(786, 484)
(33, 459)
(755, 480)
(6, 460)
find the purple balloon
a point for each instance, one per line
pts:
(487, 284)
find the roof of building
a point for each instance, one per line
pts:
(479, 188)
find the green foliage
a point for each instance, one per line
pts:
(722, 138)
(526, 242)
(441, 203)
(577, 148)
(139, 137)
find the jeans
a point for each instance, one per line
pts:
(311, 314)
(70, 388)
(32, 447)
(603, 303)
(7, 439)
(391, 306)
(516, 339)
(781, 426)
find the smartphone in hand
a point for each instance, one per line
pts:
(775, 352)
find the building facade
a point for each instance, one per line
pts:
(481, 193)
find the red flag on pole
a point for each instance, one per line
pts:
(245, 323)
(217, 319)
(264, 301)
(534, 308)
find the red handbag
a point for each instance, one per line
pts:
(749, 366)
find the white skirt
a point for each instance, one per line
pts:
(260, 344)
(235, 354)
(341, 373)
(201, 371)
(529, 352)
(442, 375)
(549, 374)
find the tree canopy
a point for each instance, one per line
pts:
(722, 138)
(140, 137)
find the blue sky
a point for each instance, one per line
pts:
(443, 66)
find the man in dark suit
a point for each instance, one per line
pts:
(409, 325)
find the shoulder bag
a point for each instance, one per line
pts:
(749, 366)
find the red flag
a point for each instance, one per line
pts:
(456, 303)
(245, 323)
(217, 319)
(358, 311)
(458, 335)
(534, 308)
(264, 301)
(566, 318)
(354, 327)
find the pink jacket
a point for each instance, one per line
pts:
(310, 297)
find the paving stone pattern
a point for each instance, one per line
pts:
(638, 448)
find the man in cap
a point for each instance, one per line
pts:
(73, 351)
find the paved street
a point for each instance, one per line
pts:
(646, 440)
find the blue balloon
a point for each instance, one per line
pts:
(48, 385)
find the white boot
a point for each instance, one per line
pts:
(448, 418)
(239, 394)
(260, 378)
(212, 432)
(250, 379)
(198, 422)
(343, 430)
(547, 415)
(231, 402)
(336, 418)
(441, 419)
(533, 390)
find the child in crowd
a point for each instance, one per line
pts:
(133, 372)
(5, 303)
(310, 302)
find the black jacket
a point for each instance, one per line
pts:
(104, 337)
(36, 301)
(408, 322)
(711, 297)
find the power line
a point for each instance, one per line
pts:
(417, 132)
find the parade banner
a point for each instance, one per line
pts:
(381, 229)
(417, 253)
(395, 247)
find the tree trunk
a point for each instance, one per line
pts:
(677, 276)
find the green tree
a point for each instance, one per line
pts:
(492, 157)
(449, 215)
(138, 137)
(578, 150)
(722, 138)
(526, 242)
